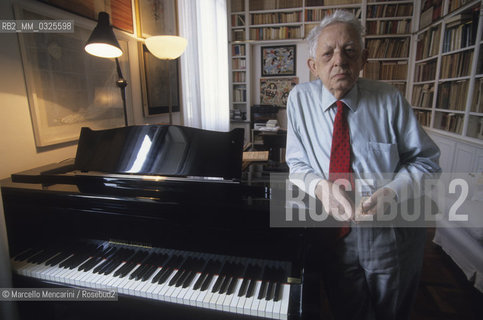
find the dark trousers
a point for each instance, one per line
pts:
(373, 273)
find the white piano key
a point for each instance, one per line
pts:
(251, 304)
(285, 301)
(234, 301)
(229, 297)
(200, 301)
(153, 286)
(187, 298)
(269, 308)
(164, 288)
(142, 289)
(262, 307)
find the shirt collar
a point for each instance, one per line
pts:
(350, 99)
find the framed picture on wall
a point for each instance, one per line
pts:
(120, 11)
(275, 91)
(159, 78)
(159, 84)
(67, 88)
(278, 61)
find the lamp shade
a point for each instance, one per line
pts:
(103, 42)
(166, 47)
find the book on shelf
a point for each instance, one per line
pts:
(237, 20)
(318, 14)
(277, 17)
(238, 50)
(428, 43)
(423, 95)
(477, 104)
(384, 27)
(275, 33)
(237, 5)
(456, 65)
(388, 47)
(238, 35)
(452, 95)
(425, 71)
(424, 117)
(239, 93)
(238, 64)
(390, 10)
(255, 5)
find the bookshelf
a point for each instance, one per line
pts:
(447, 86)
(388, 40)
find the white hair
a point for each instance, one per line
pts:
(339, 16)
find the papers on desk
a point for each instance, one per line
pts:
(275, 129)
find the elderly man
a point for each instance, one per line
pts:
(342, 125)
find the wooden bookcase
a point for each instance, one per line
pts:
(424, 48)
(447, 87)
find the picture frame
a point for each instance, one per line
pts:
(278, 61)
(120, 11)
(67, 88)
(275, 91)
(158, 77)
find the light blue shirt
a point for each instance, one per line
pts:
(384, 132)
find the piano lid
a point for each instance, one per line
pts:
(167, 150)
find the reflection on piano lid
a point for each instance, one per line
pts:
(161, 150)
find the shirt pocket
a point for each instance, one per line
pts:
(385, 156)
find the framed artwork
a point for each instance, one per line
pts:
(120, 11)
(157, 17)
(278, 61)
(159, 78)
(159, 84)
(275, 91)
(68, 88)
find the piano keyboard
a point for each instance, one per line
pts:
(231, 284)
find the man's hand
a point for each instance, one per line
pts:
(379, 202)
(335, 200)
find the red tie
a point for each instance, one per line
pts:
(340, 154)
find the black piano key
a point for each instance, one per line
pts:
(236, 273)
(189, 279)
(244, 287)
(270, 291)
(148, 273)
(177, 276)
(190, 266)
(89, 264)
(42, 256)
(277, 296)
(25, 254)
(57, 259)
(180, 272)
(254, 273)
(158, 276)
(182, 279)
(213, 267)
(263, 290)
(251, 288)
(225, 284)
(125, 269)
(232, 286)
(200, 281)
(170, 268)
(206, 282)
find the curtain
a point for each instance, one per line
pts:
(204, 64)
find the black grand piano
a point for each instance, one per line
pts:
(161, 215)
